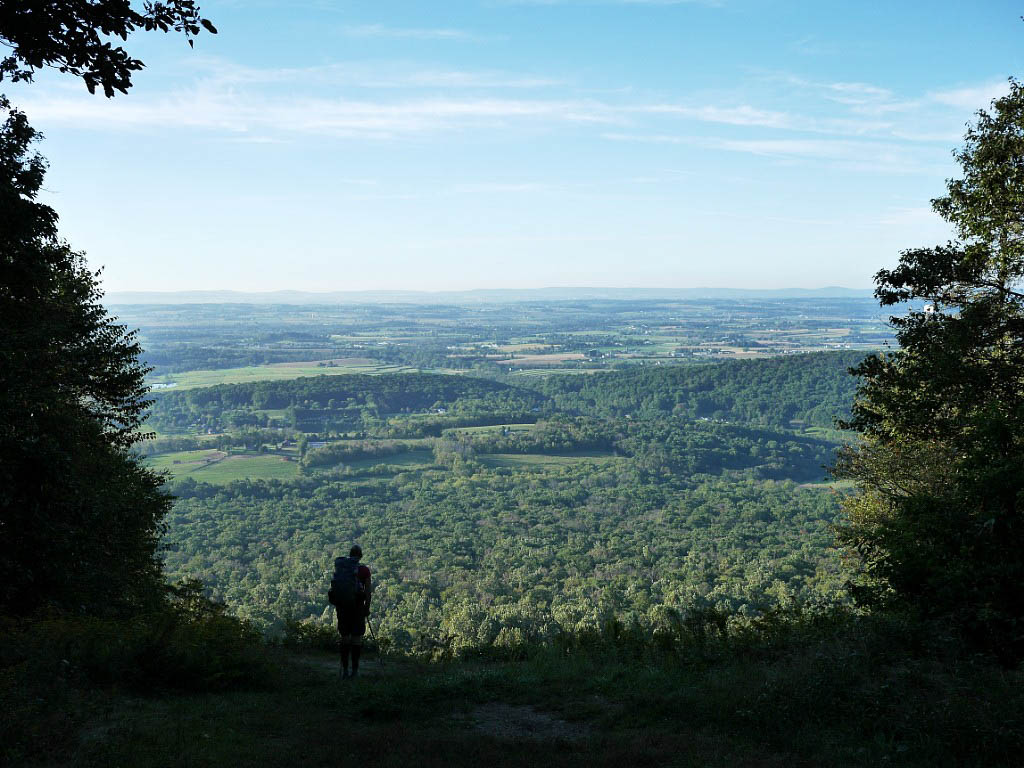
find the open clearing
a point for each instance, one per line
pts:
(499, 428)
(218, 467)
(527, 460)
(404, 459)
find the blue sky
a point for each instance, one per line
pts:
(516, 143)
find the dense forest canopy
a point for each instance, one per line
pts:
(503, 512)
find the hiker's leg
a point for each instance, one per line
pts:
(346, 649)
(357, 649)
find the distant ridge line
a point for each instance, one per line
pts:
(478, 296)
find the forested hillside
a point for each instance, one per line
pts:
(331, 403)
(813, 389)
(496, 514)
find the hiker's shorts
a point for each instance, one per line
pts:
(351, 620)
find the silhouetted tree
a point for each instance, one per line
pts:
(73, 36)
(79, 516)
(938, 521)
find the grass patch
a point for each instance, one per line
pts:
(255, 466)
(183, 462)
(515, 460)
(499, 428)
(210, 466)
(404, 459)
(840, 694)
(277, 372)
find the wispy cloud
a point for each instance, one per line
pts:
(851, 155)
(843, 122)
(369, 74)
(972, 97)
(233, 112)
(406, 33)
(738, 115)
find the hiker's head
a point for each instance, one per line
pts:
(355, 552)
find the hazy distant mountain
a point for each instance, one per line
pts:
(481, 296)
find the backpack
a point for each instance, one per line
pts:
(346, 588)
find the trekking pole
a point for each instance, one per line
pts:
(380, 656)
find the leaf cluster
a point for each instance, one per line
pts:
(73, 36)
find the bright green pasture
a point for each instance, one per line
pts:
(527, 460)
(217, 467)
(183, 462)
(254, 466)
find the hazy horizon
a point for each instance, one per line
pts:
(479, 295)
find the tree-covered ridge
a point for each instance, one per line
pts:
(323, 403)
(552, 522)
(812, 388)
(663, 447)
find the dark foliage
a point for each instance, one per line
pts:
(79, 516)
(72, 36)
(938, 524)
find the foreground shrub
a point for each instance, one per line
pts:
(50, 665)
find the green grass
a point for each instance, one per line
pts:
(193, 379)
(273, 413)
(499, 428)
(406, 458)
(840, 698)
(217, 467)
(183, 462)
(516, 460)
(254, 466)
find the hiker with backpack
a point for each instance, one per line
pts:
(351, 590)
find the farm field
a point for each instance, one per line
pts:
(219, 467)
(201, 345)
(420, 458)
(499, 428)
(275, 372)
(544, 461)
